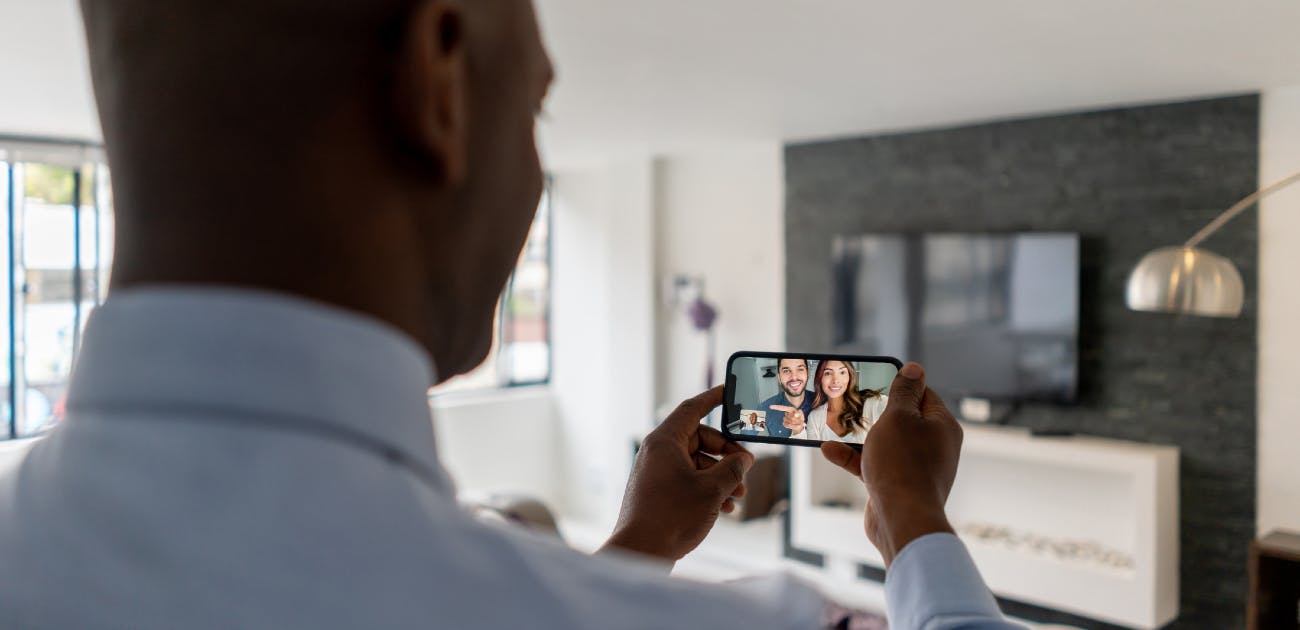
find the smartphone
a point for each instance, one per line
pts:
(804, 398)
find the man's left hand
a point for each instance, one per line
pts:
(685, 474)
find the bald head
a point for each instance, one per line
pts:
(283, 144)
(259, 74)
(232, 70)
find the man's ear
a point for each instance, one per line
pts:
(432, 87)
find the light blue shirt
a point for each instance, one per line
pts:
(933, 585)
(237, 459)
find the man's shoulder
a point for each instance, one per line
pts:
(774, 400)
(423, 535)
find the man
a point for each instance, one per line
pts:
(752, 424)
(248, 441)
(788, 409)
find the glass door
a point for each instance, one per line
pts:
(57, 250)
(46, 285)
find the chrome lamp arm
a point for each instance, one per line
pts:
(1191, 280)
(1238, 208)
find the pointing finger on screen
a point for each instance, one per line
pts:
(794, 421)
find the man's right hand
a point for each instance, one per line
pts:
(908, 462)
(793, 418)
(683, 476)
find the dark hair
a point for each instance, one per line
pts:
(854, 398)
(807, 365)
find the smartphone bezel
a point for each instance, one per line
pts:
(729, 390)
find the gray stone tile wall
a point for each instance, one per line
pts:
(1128, 180)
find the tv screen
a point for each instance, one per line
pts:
(989, 315)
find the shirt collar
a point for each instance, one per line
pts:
(261, 355)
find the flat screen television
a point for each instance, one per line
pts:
(991, 316)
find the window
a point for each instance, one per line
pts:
(521, 349)
(57, 218)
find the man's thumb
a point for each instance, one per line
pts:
(730, 471)
(908, 389)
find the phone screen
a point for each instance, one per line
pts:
(805, 399)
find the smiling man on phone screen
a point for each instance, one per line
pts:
(787, 411)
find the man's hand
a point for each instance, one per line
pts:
(909, 462)
(793, 418)
(678, 485)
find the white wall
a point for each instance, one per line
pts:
(1279, 316)
(720, 215)
(603, 328)
(44, 78)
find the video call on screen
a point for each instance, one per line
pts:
(808, 398)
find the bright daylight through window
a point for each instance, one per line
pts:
(58, 219)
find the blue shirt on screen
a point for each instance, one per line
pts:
(774, 426)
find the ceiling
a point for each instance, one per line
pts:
(44, 78)
(665, 76)
(668, 75)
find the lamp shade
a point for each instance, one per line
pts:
(1186, 280)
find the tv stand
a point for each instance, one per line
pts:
(1084, 525)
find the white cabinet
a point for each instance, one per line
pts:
(1084, 525)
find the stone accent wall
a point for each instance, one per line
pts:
(1128, 180)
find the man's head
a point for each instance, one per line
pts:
(793, 376)
(378, 155)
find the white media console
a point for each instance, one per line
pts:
(1083, 525)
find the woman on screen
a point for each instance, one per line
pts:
(842, 412)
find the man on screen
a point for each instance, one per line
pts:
(788, 409)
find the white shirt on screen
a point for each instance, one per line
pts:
(817, 429)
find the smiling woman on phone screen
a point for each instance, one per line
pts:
(842, 412)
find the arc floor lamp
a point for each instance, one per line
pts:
(1191, 280)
